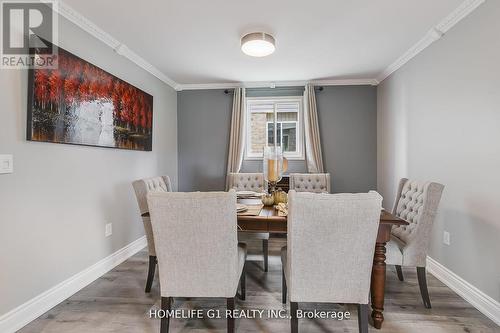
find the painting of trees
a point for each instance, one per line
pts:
(80, 103)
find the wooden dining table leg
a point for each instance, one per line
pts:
(378, 285)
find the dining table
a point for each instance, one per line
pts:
(268, 219)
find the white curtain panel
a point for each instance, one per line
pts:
(314, 157)
(237, 137)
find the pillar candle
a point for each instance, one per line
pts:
(272, 170)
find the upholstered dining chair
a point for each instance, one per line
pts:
(251, 182)
(197, 247)
(142, 187)
(247, 182)
(417, 204)
(310, 182)
(344, 228)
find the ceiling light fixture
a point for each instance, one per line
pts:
(258, 44)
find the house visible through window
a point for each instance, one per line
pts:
(274, 121)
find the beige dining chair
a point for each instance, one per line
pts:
(141, 188)
(310, 182)
(335, 267)
(417, 204)
(197, 247)
(251, 182)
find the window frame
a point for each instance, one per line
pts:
(296, 122)
(300, 153)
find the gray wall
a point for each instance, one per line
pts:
(203, 118)
(347, 123)
(348, 126)
(438, 120)
(54, 207)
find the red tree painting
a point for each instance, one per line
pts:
(79, 103)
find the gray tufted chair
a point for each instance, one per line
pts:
(417, 204)
(310, 182)
(329, 256)
(198, 252)
(251, 182)
(247, 182)
(142, 187)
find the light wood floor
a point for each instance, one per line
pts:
(116, 302)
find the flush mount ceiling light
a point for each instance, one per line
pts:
(257, 44)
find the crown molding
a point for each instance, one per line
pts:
(434, 34)
(273, 84)
(85, 24)
(465, 8)
(346, 82)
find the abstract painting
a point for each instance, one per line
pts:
(79, 103)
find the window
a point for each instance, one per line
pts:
(276, 120)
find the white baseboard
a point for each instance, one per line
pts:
(27, 312)
(484, 303)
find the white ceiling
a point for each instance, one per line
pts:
(197, 42)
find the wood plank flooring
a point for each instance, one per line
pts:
(116, 302)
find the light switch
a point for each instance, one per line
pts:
(446, 238)
(6, 164)
(108, 231)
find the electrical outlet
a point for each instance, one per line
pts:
(446, 238)
(108, 231)
(6, 164)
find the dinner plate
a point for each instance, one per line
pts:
(246, 193)
(242, 194)
(241, 208)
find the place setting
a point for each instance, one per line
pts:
(248, 195)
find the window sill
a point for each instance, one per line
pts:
(260, 158)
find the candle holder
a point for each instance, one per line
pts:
(272, 186)
(273, 165)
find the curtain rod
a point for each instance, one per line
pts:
(318, 88)
(262, 84)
